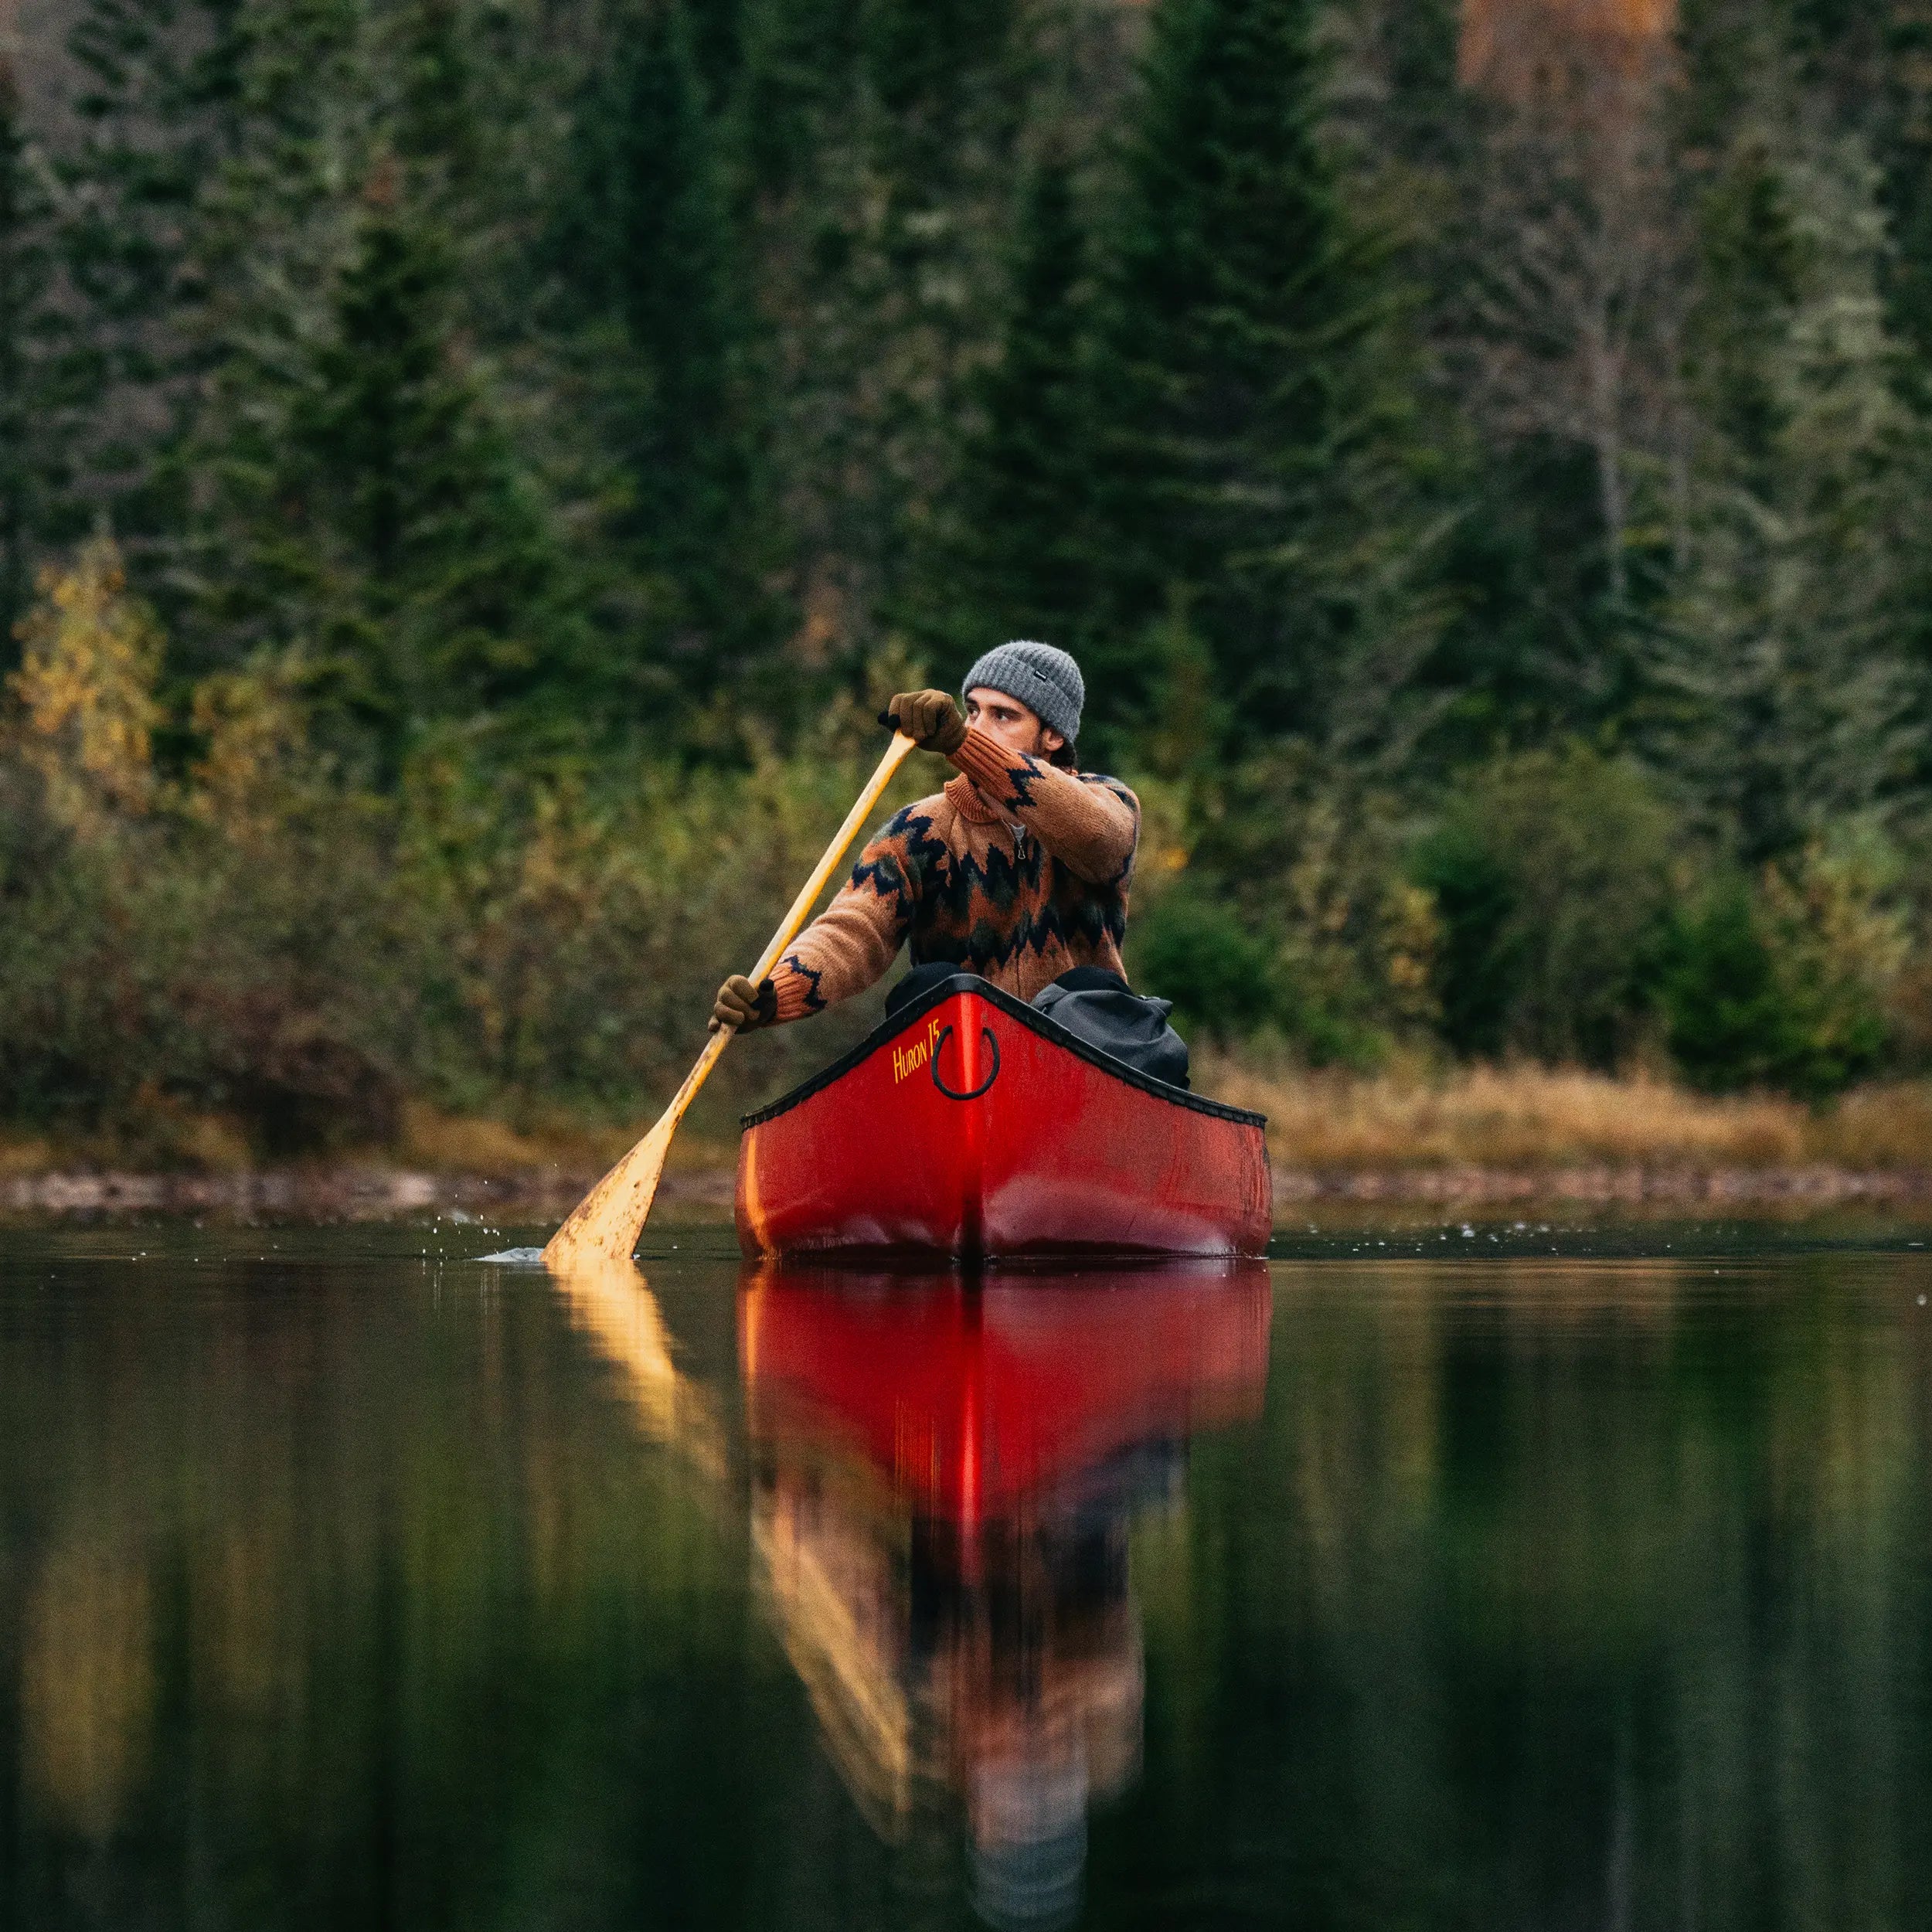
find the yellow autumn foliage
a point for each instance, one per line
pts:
(91, 654)
(253, 731)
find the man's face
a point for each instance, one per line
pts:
(1009, 721)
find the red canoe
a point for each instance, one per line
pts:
(971, 1401)
(971, 1126)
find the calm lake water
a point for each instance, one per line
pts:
(345, 1582)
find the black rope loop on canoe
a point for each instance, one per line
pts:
(945, 1034)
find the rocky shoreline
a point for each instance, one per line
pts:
(325, 1193)
(1610, 1186)
(375, 1193)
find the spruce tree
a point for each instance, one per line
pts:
(1425, 110)
(282, 247)
(132, 170)
(1783, 692)
(1905, 153)
(433, 53)
(203, 135)
(928, 62)
(1870, 62)
(717, 30)
(1241, 311)
(798, 61)
(887, 190)
(437, 570)
(1020, 544)
(651, 249)
(33, 428)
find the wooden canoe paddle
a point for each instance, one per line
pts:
(608, 1221)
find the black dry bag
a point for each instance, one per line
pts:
(1098, 1007)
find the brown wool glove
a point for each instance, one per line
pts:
(930, 719)
(742, 1007)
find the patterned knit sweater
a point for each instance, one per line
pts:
(1017, 871)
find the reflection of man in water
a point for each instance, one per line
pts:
(947, 1544)
(1046, 1645)
(992, 1669)
(944, 1479)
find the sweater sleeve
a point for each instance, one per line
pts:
(851, 943)
(1091, 824)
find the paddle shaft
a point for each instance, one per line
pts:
(608, 1221)
(854, 820)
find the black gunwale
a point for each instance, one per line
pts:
(901, 1021)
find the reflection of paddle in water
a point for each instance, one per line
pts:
(944, 1481)
(613, 1305)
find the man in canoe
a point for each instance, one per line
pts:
(1016, 871)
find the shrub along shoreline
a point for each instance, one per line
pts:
(1476, 1136)
(230, 948)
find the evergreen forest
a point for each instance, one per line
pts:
(470, 470)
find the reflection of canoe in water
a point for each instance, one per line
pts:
(970, 1400)
(970, 1125)
(944, 1479)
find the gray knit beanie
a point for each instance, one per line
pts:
(1042, 678)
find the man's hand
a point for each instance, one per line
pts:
(930, 719)
(741, 1007)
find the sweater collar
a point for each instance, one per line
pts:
(964, 796)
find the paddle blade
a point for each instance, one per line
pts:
(605, 1227)
(610, 1217)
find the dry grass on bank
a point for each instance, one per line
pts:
(25, 1154)
(1538, 1120)
(1523, 1120)
(438, 1143)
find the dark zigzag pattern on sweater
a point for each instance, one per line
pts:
(814, 1000)
(983, 945)
(1023, 776)
(886, 874)
(955, 912)
(966, 911)
(954, 905)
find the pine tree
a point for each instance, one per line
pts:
(131, 174)
(927, 62)
(1425, 109)
(1783, 693)
(882, 136)
(433, 568)
(652, 253)
(799, 59)
(33, 425)
(1870, 63)
(1020, 546)
(1905, 150)
(1242, 314)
